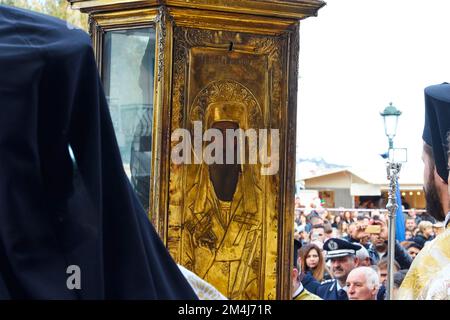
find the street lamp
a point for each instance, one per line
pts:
(390, 116)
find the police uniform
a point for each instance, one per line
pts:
(330, 289)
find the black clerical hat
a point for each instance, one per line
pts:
(437, 125)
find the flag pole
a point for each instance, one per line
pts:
(393, 169)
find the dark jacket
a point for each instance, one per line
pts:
(56, 212)
(326, 289)
(310, 283)
(401, 256)
(420, 239)
(381, 295)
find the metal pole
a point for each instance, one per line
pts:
(393, 169)
(391, 144)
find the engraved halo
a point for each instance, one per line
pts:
(220, 91)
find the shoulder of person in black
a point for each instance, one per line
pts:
(65, 212)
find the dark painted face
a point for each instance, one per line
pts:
(225, 176)
(229, 145)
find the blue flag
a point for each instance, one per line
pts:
(399, 219)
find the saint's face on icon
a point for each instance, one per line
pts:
(224, 177)
(227, 144)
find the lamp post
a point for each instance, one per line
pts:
(390, 116)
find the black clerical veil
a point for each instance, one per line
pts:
(437, 125)
(55, 213)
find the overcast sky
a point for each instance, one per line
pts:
(355, 58)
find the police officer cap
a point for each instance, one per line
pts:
(339, 248)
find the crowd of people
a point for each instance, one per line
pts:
(342, 254)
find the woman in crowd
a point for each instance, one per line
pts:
(336, 222)
(313, 261)
(344, 229)
(425, 233)
(348, 217)
(326, 215)
(408, 235)
(302, 219)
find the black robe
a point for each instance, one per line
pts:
(54, 211)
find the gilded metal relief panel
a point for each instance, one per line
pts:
(223, 221)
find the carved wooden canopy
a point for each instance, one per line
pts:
(295, 9)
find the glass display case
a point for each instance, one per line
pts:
(128, 78)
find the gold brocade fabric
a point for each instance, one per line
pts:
(306, 295)
(429, 275)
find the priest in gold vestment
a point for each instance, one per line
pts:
(429, 275)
